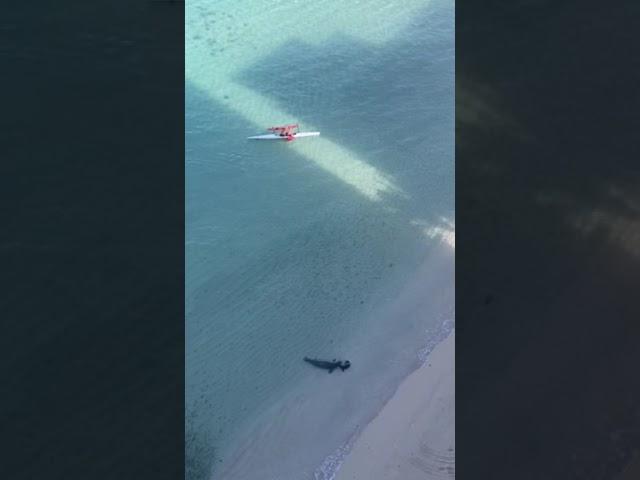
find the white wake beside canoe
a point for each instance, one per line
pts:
(273, 136)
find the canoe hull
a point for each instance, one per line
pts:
(273, 136)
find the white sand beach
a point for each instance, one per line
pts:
(413, 437)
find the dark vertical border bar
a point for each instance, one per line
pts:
(92, 240)
(548, 257)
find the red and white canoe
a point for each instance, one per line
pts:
(284, 132)
(273, 136)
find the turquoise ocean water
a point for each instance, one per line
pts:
(336, 246)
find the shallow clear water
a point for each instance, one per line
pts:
(306, 248)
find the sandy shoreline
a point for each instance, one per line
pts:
(413, 436)
(315, 420)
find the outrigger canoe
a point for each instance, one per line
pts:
(284, 132)
(273, 136)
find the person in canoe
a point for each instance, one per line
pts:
(326, 365)
(286, 131)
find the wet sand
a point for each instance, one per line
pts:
(413, 436)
